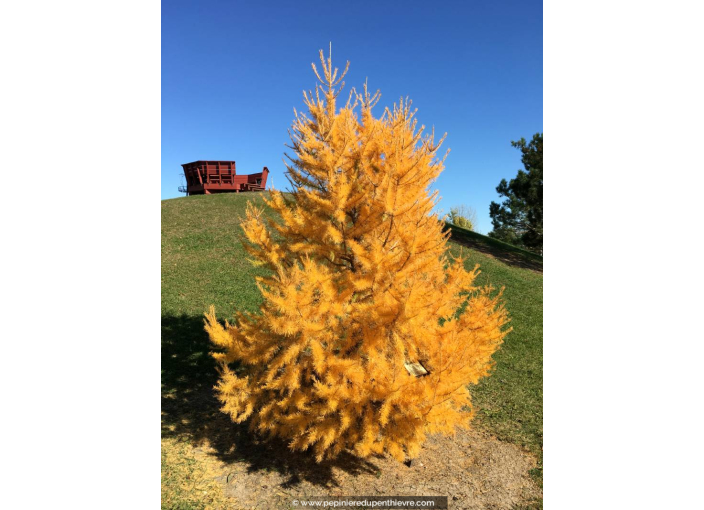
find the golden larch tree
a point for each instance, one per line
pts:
(368, 335)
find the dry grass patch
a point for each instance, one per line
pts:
(189, 478)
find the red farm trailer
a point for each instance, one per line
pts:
(207, 177)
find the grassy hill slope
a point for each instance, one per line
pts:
(204, 264)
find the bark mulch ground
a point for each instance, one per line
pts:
(475, 471)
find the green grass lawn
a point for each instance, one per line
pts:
(204, 264)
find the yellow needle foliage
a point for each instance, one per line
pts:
(360, 286)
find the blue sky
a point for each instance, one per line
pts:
(233, 71)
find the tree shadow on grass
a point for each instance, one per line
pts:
(507, 257)
(190, 410)
(510, 255)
